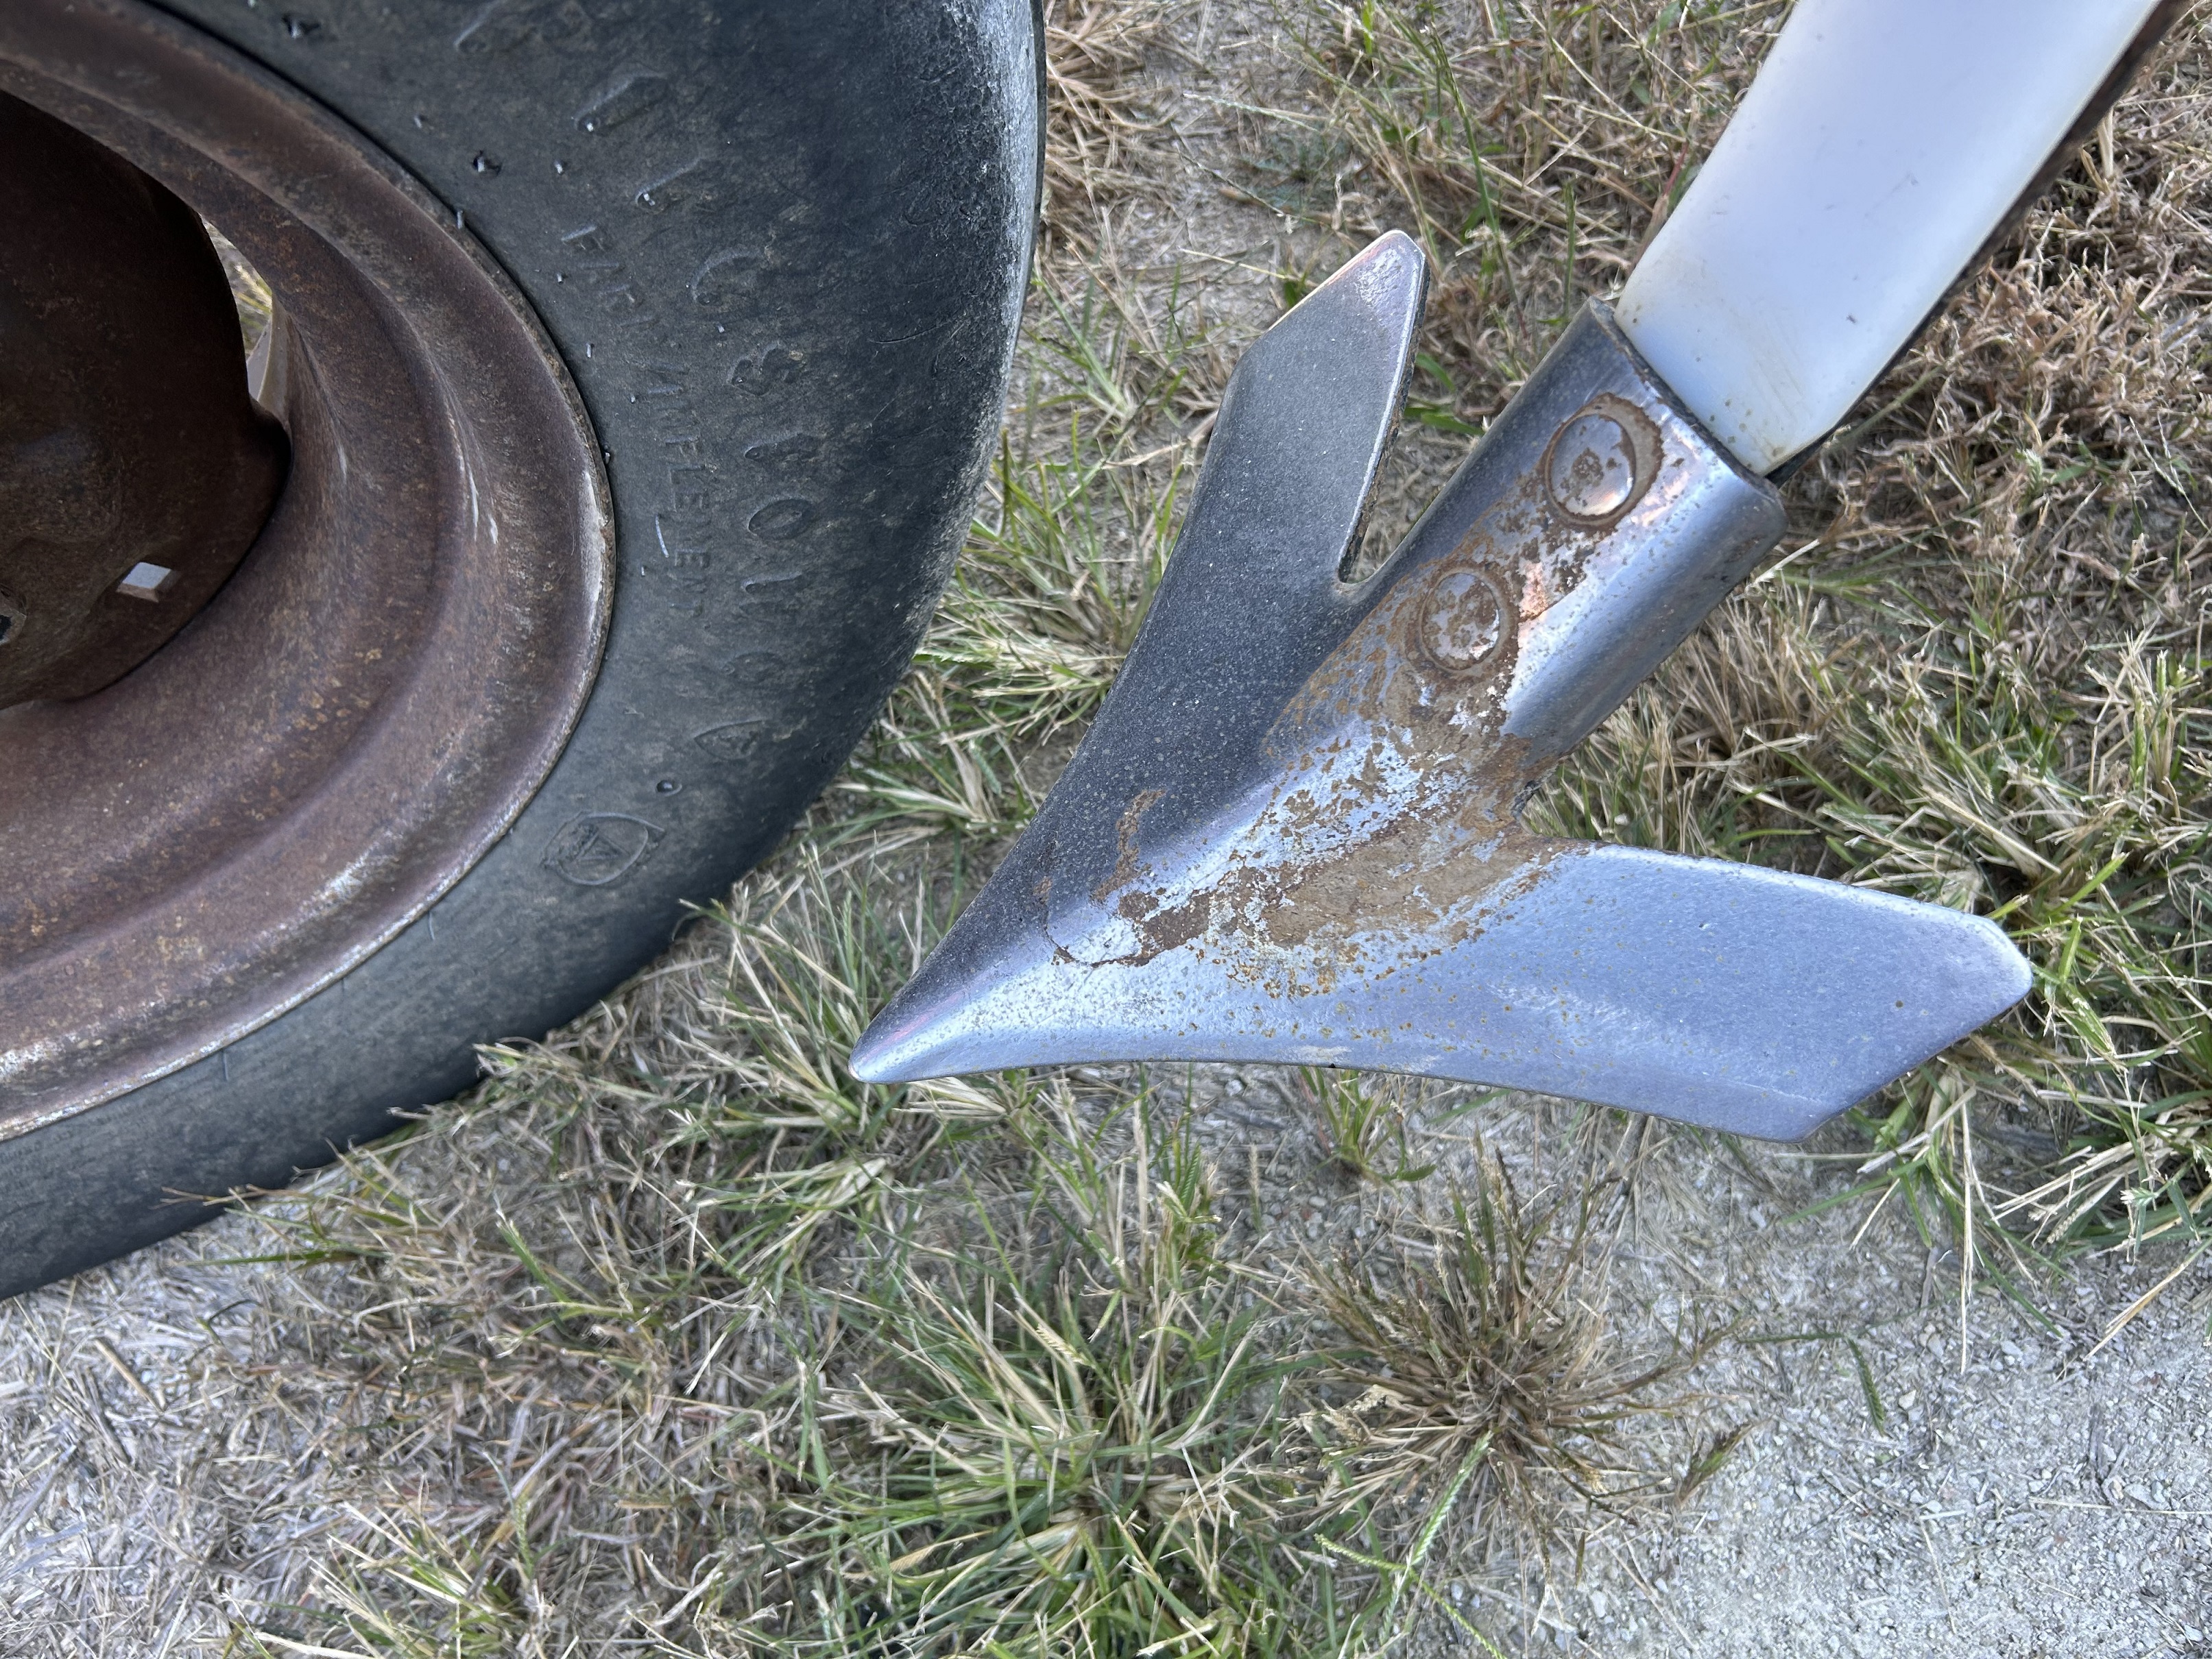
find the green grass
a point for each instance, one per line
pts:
(1002, 1365)
(1057, 1439)
(1979, 679)
(1482, 1346)
(1361, 1122)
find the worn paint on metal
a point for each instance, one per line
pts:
(1293, 835)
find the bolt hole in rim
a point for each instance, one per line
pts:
(362, 709)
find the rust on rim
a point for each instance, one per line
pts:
(354, 714)
(135, 472)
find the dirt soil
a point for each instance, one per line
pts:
(1916, 1474)
(181, 1434)
(1920, 1478)
(2047, 1498)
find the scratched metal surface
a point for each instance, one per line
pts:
(1292, 836)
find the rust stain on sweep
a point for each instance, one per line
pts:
(1397, 803)
(1126, 865)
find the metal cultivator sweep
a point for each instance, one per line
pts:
(1292, 834)
(626, 376)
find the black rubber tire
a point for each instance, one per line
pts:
(887, 154)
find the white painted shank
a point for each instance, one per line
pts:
(1881, 142)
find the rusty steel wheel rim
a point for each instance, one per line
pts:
(364, 704)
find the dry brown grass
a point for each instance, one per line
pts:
(1479, 1344)
(627, 1347)
(1978, 677)
(1099, 141)
(1531, 150)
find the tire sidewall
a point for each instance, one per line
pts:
(781, 250)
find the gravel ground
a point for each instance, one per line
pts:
(2031, 1501)
(2050, 1497)
(180, 1435)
